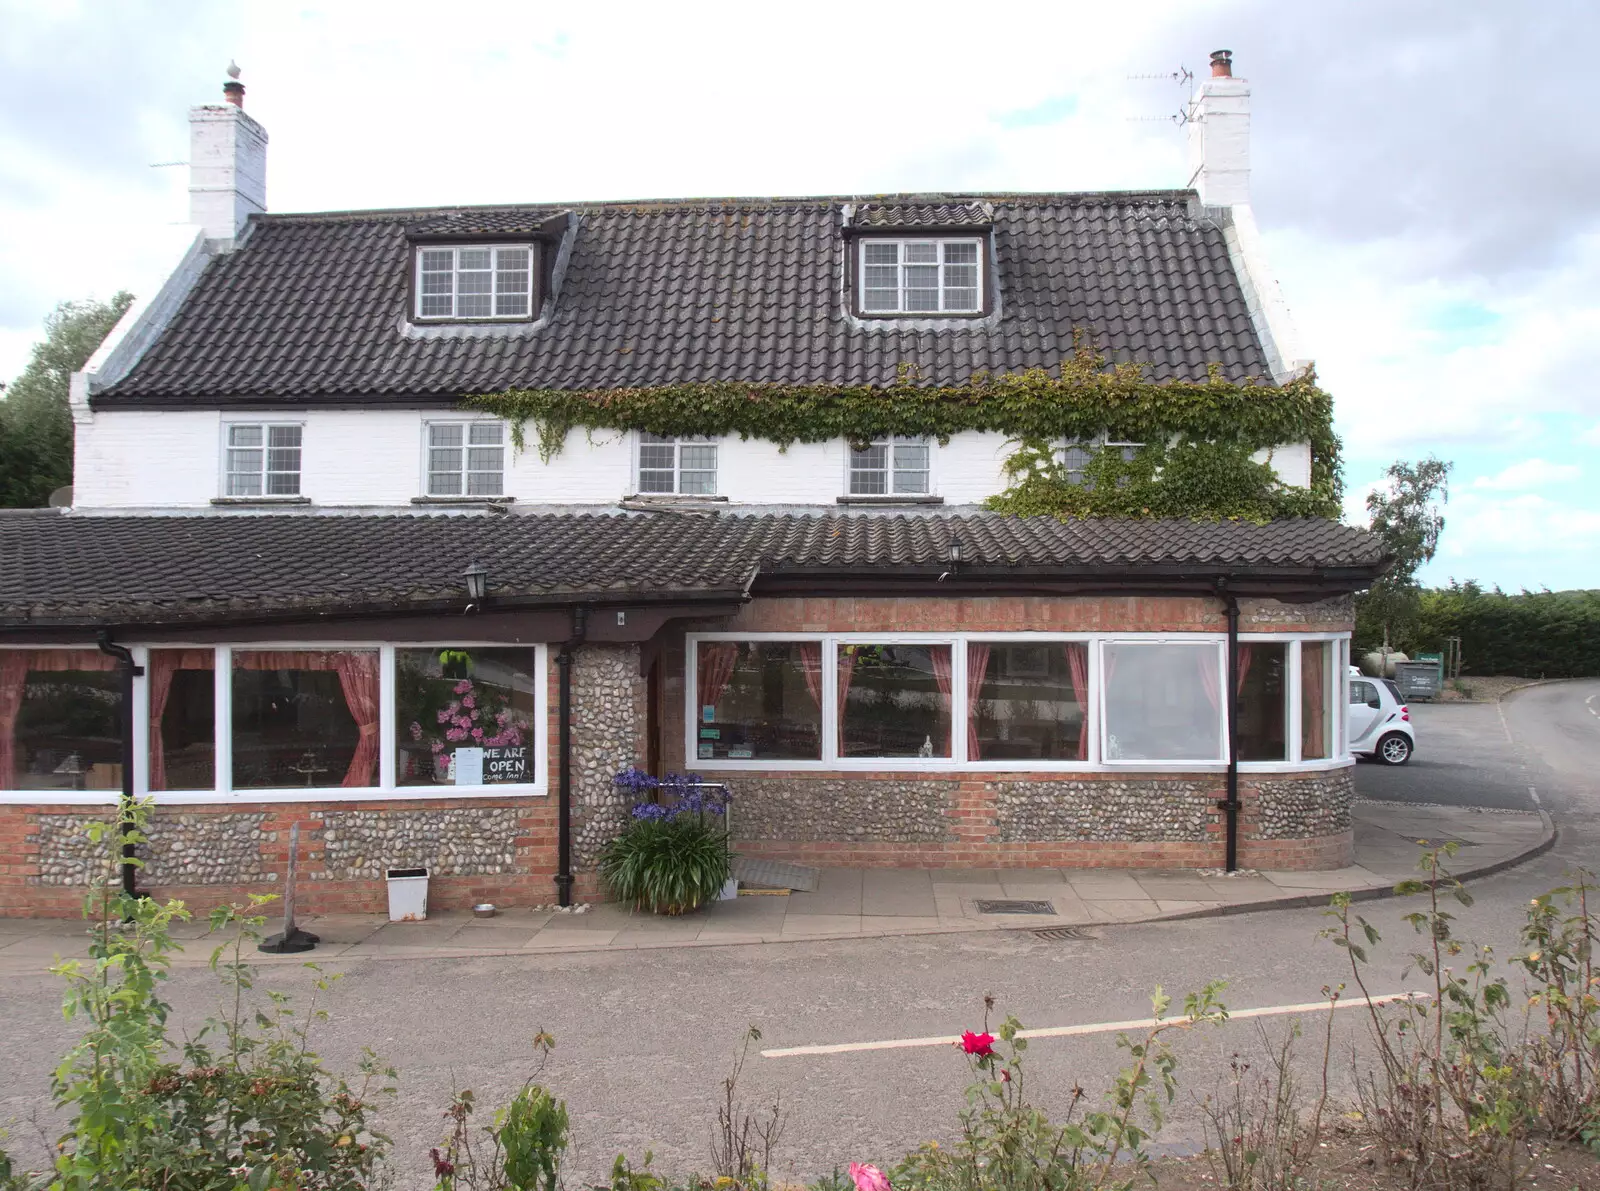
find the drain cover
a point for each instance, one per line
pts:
(1013, 906)
(1062, 934)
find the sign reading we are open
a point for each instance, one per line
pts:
(493, 766)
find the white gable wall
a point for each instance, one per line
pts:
(137, 459)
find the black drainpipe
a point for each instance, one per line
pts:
(1230, 806)
(564, 659)
(129, 671)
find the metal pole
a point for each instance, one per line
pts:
(1230, 806)
(564, 662)
(128, 671)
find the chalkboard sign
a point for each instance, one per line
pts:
(507, 764)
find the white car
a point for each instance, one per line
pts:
(1380, 722)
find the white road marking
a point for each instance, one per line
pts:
(1504, 727)
(1102, 1027)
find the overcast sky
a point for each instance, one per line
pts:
(1425, 173)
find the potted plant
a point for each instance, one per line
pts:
(674, 855)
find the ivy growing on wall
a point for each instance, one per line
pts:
(1198, 435)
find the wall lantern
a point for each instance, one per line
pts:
(956, 555)
(477, 580)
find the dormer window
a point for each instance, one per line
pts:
(475, 281)
(920, 276)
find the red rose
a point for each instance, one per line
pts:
(978, 1045)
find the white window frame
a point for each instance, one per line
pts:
(223, 792)
(1075, 475)
(495, 292)
(900, 309)
(464, 472)
(266, 426)
(889, 471)
(677, 443)
(1094, 711)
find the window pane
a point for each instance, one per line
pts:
(486, 433)
(510, 304)
(437, 259)
(244, 483)
(283, 483)
(437, 307)
(1316, 670)
(961, 253)
(65, 720)
(911, 456)
(484, 483)
(697, 483)
(473, 306)
(244, 436)
(864, 482)
(464, 717)
(895, 700)
(1262, 702)
(444, 483)
(960, 299)
(700, 458)
(1163, 702)
(183, 726)
(882, 277)
(1031, 701)
(304, 718)
(759, 701)
(655, 481)
(283, 436)
(474, 283)
(1075, 458)
(921, 254)
(658, 456)
(881, 299)
(965, 276)
(922, 277)
(444, 434)
(283, 459)
(507, 259)
(472, 258)
(922, 299)
(881, 254)
(245, 461)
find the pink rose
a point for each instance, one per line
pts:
(444, 717)
(463, 686)
(469, 701)
(455, 734)
(978, 1045)
(477, 734)
(868, 1177)
(416, 731)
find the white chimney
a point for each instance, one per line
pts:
(1219, 136)
(227, 164)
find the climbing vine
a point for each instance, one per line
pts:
(1199, 435)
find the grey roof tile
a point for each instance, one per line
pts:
(170, 569)
(312, 306)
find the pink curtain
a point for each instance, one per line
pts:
(811, 669)
(358, 676)
(1208, 678)
(1078, 671)
(1247, 653)
(939, 655)
(977, 667)
(716, 662)
(847, 669)
(15, 666)
(164, 666)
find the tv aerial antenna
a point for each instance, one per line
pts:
(1182, 76)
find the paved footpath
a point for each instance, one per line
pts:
(878, 903)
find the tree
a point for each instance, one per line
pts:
(35, 418)
(1407, 518)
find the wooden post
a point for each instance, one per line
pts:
(291, 939)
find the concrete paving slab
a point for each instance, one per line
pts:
(569, 940)
(821, 924)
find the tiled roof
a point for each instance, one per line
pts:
(315, 306)
(912, 215)
(171, 569)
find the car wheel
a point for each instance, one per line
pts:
(1393, 749)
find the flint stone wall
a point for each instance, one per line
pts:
(1330, 615)
(608, 717)
(889, 810)
(1306, 807)
(455, 842)
(183, 849)
(1114, 809)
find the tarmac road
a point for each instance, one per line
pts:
(644, 1037)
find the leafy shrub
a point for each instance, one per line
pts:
(1532, 634)
(527, 1142)
(245, 1104)
(668, 865)
(674, 856)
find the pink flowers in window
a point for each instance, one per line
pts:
(868, 1177)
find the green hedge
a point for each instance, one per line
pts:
(1536, 634)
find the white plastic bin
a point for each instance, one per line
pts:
(408, 894)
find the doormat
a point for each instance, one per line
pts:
(776, 874)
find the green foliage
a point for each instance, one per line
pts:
(245, 1103)
(1008, 1142)
(1200, 434)
(1407, 519)
(1534, 634)
(35, 418)
(669, 866)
